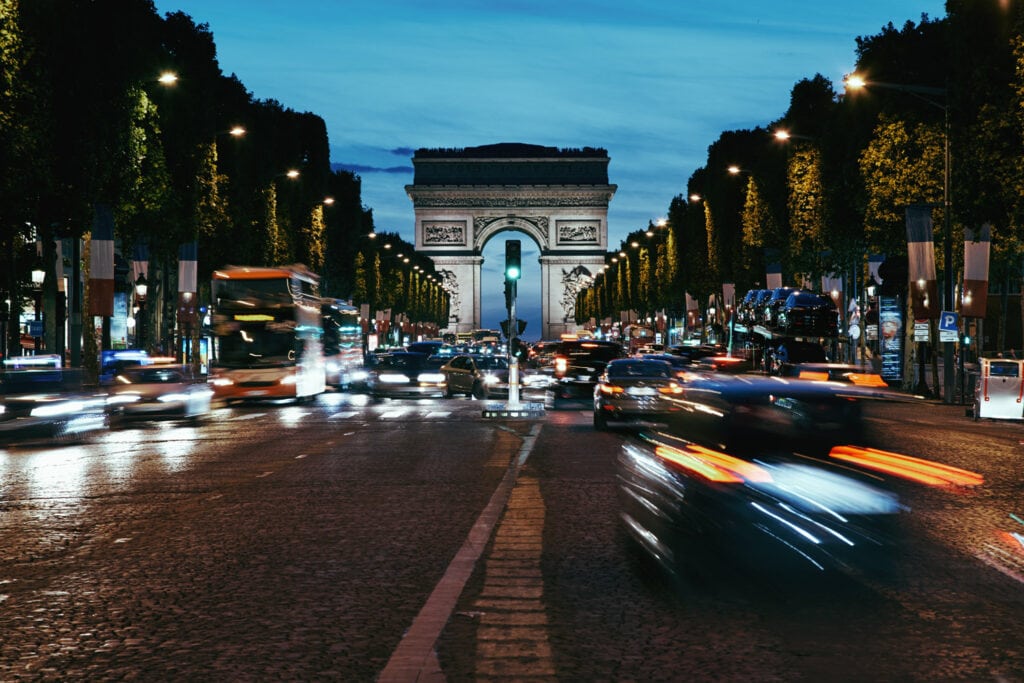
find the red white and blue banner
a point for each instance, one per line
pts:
(772, 269)
(140, 262)
(188, 269)
(924, 288)
(974, 297)
(875, 262)
(101, 262)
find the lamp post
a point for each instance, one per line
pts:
(38, 277)
(925, 94)
(141, 288)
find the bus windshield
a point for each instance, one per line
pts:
(257, 344)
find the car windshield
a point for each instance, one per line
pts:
(639, 369)
(491, 363)
(151, 375)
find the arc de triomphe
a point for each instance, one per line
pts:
(556, 197)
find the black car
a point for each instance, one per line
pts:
(49, 404)
(806, 314)
(776, 300)
(401, 374)
(746, 311)
(687, 505)
(577, 365)
(636, 391)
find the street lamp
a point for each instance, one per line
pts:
(141, 288)
(926, 93)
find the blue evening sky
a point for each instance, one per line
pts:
(654, 82)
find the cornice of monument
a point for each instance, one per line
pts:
(502, 196)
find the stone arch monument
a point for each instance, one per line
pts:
(558, 198)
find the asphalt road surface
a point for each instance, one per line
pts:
(340, 540)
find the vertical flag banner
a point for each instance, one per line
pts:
(729, 295)
(101, 263)
(140, 262)
(924, 288)
(58, 269)
(773, 275)
(187, 280)
(874, 262)
(974, 297)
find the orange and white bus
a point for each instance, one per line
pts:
(267, 333)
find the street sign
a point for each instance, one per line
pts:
(35, 328)
(948, 326)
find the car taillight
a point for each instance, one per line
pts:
(610, 389)
(561, 365)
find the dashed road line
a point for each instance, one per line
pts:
(415, 658)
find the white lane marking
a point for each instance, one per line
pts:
(344, 415)
(392, 414)
(250, 416)
(439, 413)
(300, 456)
(414, 658)
(265, 474)
(122, 540)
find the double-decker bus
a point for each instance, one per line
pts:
(343, 341)
(267, 331)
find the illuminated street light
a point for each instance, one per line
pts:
(328, 201)
(923, 93)
(168, 78)
(237, 131)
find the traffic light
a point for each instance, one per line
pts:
(508, 297)
(512, 265)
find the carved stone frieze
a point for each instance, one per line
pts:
(444, 232)
(578, 232)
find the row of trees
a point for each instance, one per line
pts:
(835, 190)
(84, 121)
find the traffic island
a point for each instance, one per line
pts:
(509, 409)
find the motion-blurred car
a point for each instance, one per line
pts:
(481, 377)
(743, 412)
(806, 314)
(401, 374)
(635, 391)
(686, 504)
(577, 365)
(48, 404)
(834, 372)
(159, 391)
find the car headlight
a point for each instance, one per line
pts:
(491, 379)
(392, 378)
(168, 398)
(431, 377)
(289, 379)
(116, 399)
(62, 408)
(359, 375)
(333, 366)
(221, 382)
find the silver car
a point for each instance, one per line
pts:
(478, 376)
(159, 391)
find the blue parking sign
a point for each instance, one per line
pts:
(948, 321)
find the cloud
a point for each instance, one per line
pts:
(360, 168)
(403, 151)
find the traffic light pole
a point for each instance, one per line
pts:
(513, 358)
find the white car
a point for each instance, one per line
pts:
(159, 391)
